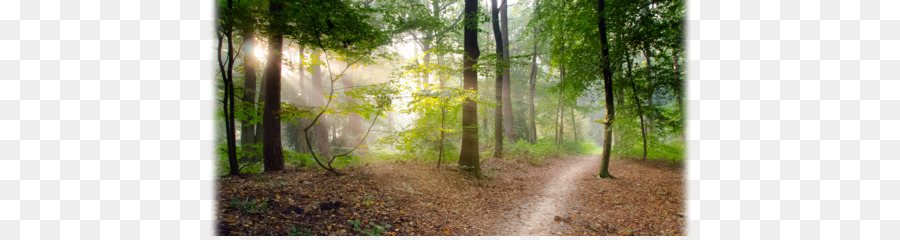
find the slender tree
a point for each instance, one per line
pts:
(272, 150)
(468, 157)
(651, 88)
(608, 90)
(498, 70)
(317, 99)
(637, 101)
(508, 117)
(303, 100)
(260, 134)
(248, 134)
(226, 67)
(532, 125)
(354, 120)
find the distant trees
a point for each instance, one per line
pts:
(334, 36)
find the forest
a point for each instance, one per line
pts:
(450, 117)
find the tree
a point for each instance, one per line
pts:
(499, 87)
(508, 123)
(226, 67)
(249, 45)
(354, 121)
(272, 150)
(607, 87)
(317, 100)
(637, 101)
(468, 157)
(303, 100)
(532, 125)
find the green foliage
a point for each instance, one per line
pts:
(356, 33)
(546, 149)
(246, 153)
(253, 206)
(297, 159)
(300, 232)
(664, 143)
(376, 229)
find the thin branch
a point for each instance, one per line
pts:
(449, 27)
(360, 141)
(446, 5)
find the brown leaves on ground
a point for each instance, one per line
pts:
(419, 199)
(646, 198)
(413, 198)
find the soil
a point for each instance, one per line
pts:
(556, 197)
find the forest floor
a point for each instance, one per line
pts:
(558, 196)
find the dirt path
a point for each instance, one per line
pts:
(536, 217)
(418, 199)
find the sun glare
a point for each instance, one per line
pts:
(259, 52)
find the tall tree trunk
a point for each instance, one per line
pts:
(354, 121)
(426, 61)
(620, 101)
(468, 157)
(574, 125)
(260, 134)
(226, 66)
(651, 87)
(272, 150)
(303, 101)
(637, 101)
(498, 71)
(608, 90)
(317, 99)
(484, 119)
(678, 87)
(508, 116)
(556, 125)
(559, 107)
(443, 103)
(249, 45)
(532, 125)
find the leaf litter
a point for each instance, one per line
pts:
(414, 198)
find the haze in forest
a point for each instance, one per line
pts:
(387, 117)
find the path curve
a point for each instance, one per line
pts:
(536, 217)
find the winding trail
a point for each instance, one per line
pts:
(536, 217)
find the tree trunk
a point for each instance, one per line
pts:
(557, 126)
(272, 150)
(651, 87)
(508, 116)
(559, 107)
(249, 45)
(608, 90)
(260, 134)
(317, 99)
(303, 101)
(226, 66)
(678, 87)
(426, 61)
(354, 121)
(637, 101)
(443, 114)
(468, 157)
(498, 71)
(532, 125)
(574, 126)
